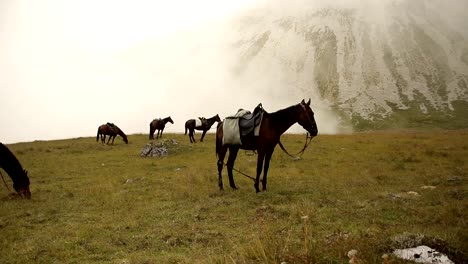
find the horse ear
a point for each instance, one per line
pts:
(308, 102)
(302, 102)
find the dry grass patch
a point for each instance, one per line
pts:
(94, 203)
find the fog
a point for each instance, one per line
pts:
(69, 66)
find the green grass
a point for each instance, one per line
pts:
(93, 203)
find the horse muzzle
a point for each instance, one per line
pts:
(313, 132)
(26, 193)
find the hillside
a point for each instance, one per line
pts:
(392, 64)
(95, 203)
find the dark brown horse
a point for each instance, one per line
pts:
(112, 131)
(206, 124)
(273, 125)
(159, 125)
(13, 168)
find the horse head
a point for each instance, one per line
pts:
(306, 118)
(217, 119)
(124, 137)
(170, 120)
(21, 185)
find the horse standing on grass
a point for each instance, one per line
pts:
(159, 125)
(273, 125)
(191, 126)
(13, 168)
(112, 131)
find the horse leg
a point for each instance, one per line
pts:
(203, 135)
(221, 155)
(191, 136)
(230, 165)
(265, 169)
(160, 136)
(112, 140)
(151, 135)
(260, 158)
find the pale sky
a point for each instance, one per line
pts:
(68, 66)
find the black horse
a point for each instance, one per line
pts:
(206, 124)
(159, 125)
(13, 168)
(273, 125)
(112, 131)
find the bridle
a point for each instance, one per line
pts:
(306, 144)
(307, 141)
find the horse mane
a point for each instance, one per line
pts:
(284, 113)
(212, 118)
(12, 166)
(120, 132)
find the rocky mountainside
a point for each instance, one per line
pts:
(398, 64)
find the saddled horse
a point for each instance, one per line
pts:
(206, 124)
(112, 131)
(273, 125)
(159, 125)
(13, 168)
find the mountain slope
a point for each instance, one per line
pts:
(398, 64)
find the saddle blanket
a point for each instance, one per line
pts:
(198, 122)
(231, 132)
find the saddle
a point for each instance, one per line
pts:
(203, 121)
(242, 124)
(112, 127)
(250, 121)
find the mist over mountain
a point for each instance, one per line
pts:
(375, 64)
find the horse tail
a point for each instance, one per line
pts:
(97, 136)
(185, 129)
(151, 130)
(219, 138)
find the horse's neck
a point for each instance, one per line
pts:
(119, 132)
(10, 163)
(283, 119)
(211, 120)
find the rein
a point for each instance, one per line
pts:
(6, 185)
(234, 169)
(306, 144)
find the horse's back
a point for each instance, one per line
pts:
(102, 128)
(190, 122)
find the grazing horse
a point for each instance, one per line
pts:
(205, 126)
(112, 131)
(273, 125)
(159, 125)
(13, 168)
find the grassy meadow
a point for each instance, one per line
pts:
(94, 203)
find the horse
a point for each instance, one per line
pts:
(206, 124)
(112, 131)
(13, 168)
(159, 125)
(273, 125)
